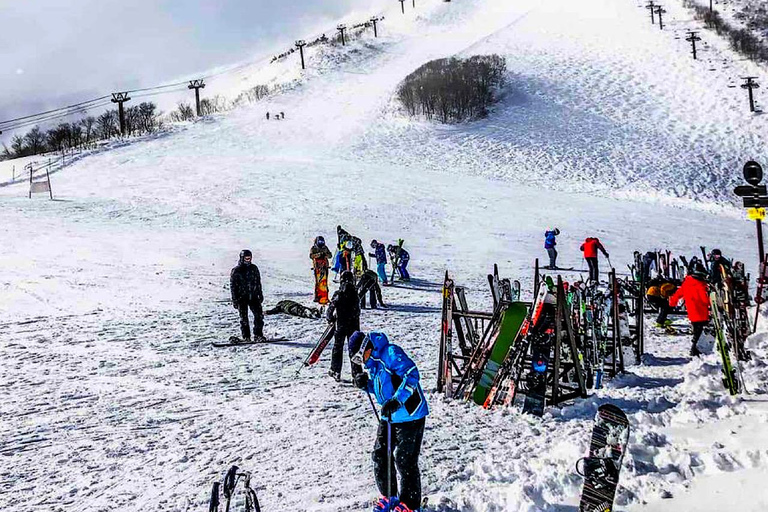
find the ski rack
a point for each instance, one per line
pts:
(473, 330)
(560, 382)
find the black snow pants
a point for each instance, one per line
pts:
(698, 330)
(594, 272)
(258, 318)
(374, 290)
(552, 257)
(340, 341)
(405, 449)
(664, 308)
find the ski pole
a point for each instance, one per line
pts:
(373, 406)
(389, 457)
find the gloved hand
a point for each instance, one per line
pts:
(361, 380)
(234, 305)
(390, 407)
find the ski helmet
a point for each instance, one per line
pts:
(245, 253)
(347, 277)
(320, 241)
(717, 252)
(557, 231)
(374, 243)
(698, 271)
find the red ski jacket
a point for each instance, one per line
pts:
(591, 246)
(696, 298)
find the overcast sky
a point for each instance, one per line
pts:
(57, 52)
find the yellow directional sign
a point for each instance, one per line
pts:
(756, 213)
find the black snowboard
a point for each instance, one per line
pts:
(602, 466)
(234, 341)
(537, 380)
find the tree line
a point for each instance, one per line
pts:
(139, 119)
(453, 89)
(741, 40)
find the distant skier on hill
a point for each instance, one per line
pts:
(320, 254)
(380, 253)
(695, 292)
(400, 257)
(344, 310)
(589, 248)
(293, 308)
(394, 379)
(368, 284)
(550, 241)
(245, 285)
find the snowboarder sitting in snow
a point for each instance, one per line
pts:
(293, 308)
(695, 292)
(590, 248)
(344, 309)
(368, 284)
(717, 262)
(320, 254)
(658, 295)
(400, 259)
(245, 285)
(380, 253)
(394, 379)
(549, 244)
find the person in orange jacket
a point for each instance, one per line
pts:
(695, 292)
(590, 248)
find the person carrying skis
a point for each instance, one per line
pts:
(320, 254)
(717, 262)
(344, 310)
(589, 248)
(368, 283)
(380, 253)
(393, 378)
(695, 292)
(658, 295)
(400, 259)
(549, 244)
(245, 285)
(293, 308)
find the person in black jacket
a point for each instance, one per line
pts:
(344, 309)
(245, 284)
(369, 284)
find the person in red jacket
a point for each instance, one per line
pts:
(590, 248)
(695, 292)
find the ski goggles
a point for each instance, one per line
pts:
(364, 352)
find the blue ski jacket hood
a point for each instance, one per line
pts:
(549, 240)
(394, 375)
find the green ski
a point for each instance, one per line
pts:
(729, 373)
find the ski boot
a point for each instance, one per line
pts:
(334, 375)
(695, 352)
(259, 338)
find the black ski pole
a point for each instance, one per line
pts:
(389, 458)
(373, 406)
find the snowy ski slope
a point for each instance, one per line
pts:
(112, 397)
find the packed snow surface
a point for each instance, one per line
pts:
(113, 398)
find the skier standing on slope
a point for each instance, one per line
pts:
(245, 285)
(344, 309)
(320, 254)
(695, 292)
(549, 244)
(589, 248)
(716, 262)
(394, 379)
(401, 257)
(368, 283)
(380, 253)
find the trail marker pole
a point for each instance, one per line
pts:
(660, 10)
(342, 28)
(749, 85)
(374, 20)
(651, 7)
(402, 5)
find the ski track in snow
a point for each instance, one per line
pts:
(113, 399)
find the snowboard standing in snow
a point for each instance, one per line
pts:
(602, 465)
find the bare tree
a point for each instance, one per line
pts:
(35, 140)
(17, 146)
(88, 124)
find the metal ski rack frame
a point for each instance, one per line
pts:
(562, 387)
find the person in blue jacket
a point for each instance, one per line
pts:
(549, 244)
(380, 252)
(393, 379)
